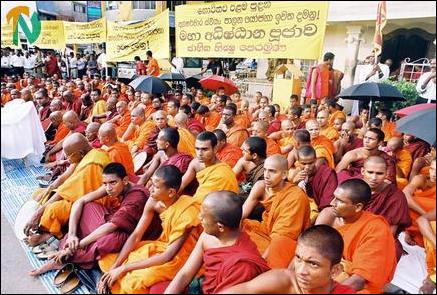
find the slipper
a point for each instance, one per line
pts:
(43, 247)
(46, 254)
(70, 284)
(62, 274)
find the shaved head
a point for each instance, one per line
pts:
(375, 160)
(93, 127)
(107, 134)
(395, 144)
(181, 119)
(349, 125)
(278, 161)
(56, 117)
(226, 208)
(76, 142)
(306, 151)
(138, 111)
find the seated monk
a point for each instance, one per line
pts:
(211, 174)
(369, 248)
(352, 162)
(316, 262)
(259, 129)
(74, 125)
(235, 134)
(61, 130)
(323, 146)
(226, 152)
(209, 119)
(229, 256)
(251, 164)
(160, 122)
(286, 215)
(84, 244)
(421, 164)
(91, 134)
(303, 138)
(186, 138)
(168, 154)
(110, 113)
(420, 193)
(117, 151)
(404, 161)
(427, 225)
(348, 141)
(417, 147)
(284, 137)
(83, 178)
(319, 183)
(138, 131)
(325, 129)
(388, 127)
(122, 119)
(141, 264)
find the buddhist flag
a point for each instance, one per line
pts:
(381, 21)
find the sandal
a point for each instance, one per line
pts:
(43, 248)
(45, 254)
(70, 284)
(62, 274)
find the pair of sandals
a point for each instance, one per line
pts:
(47, 249)
(70, 277)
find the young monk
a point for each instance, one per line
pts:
(325, 128)
(323, 146)
(421, 195)
(427, 226)
(286, 215)
(369, 247)
(95, 231)
(211, 174)
(140, 265)
(85, 175)
(348, 141)
(226, 152)
(228, 254)
(260, 129)
(404, 161)
(236, 134)
(186, 138)
(312, 271)
(284, 137)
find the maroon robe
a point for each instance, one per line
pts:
(180, 160)
(195, 126)
(85, 112)
(322, 185)
(75, 106)
(274, 126)
(418, 148)
(81, 128)
(94, 215)
(150, 147)
(96, 143)
(356, 143)
(44, 112)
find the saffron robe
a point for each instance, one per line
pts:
(186, 142)
(229, 154)
(119, 152)
(237, 135)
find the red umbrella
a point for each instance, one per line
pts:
(414, 109)
(214, 82)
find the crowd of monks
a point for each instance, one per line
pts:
(233, 197)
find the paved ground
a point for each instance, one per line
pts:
(15, 265)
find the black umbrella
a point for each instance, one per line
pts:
(193, 81)
(172, 77)
(373, 91)
(150, 84)
(420, 124)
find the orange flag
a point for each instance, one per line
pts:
(381, 21)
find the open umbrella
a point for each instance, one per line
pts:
(214, 82)
(193, 81)
(172, 77)
(150, 84)
(414, 109)
(420, 124)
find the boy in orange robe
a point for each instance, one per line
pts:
(226, 152)
(259, 129)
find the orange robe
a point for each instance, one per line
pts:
(430, 253)
(215, 178)
(141, 134)
(285, 141)
(324, 149)
(389, 129)
(272, 147)
(242, 120)
(229, 154)
(286, 215)
(369, 249)
(122, 124)
(86, 178)
(335, 115)
(212, 121)
(426, 200)
(404, 161)
(6, 97)
(237, 135)
(177, 219)
(186, 142)
(60, 134)
(330, 132)
(119, 152)
(148, 111)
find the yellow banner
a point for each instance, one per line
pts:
(7, 33)
(85, 33)
(124, 42)
(252, 29)
(52, 35)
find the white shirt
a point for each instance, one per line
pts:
(101, 60)
(179, 63)
(429, 91)
(17, 61)
(5, 60)
(366, 69)
(81, 63)
(73, 62)
(29, 62)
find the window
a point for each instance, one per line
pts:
(143, 4)
(78, 8)
(111, 5)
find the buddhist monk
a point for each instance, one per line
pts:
(369, 256)
(286, 215)
(312, 271)
(186, 138)
(138, 131)
(84, 177)
(117, 151)
(236, 134)
(211, 174)
(210, 119)
(160, 122)
(168, 154)
(260, 129)
(421, 195)
(110, 112)
(284, 137)
(91, 134)
(140, 265)
(85, 244)
(403, 158)
(226, 152)
(352, 162)
(228, 254)
(61, 130)
(317, 140)
(319, 183)
(427, 226)
(99, 104)
(388, 127)
(417, 147)
(325, 128)
(334, 113)
(348, 141)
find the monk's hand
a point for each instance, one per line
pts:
(61, 256)
(109, 278)
(300, 176)
(33, 222)
(72, 242)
